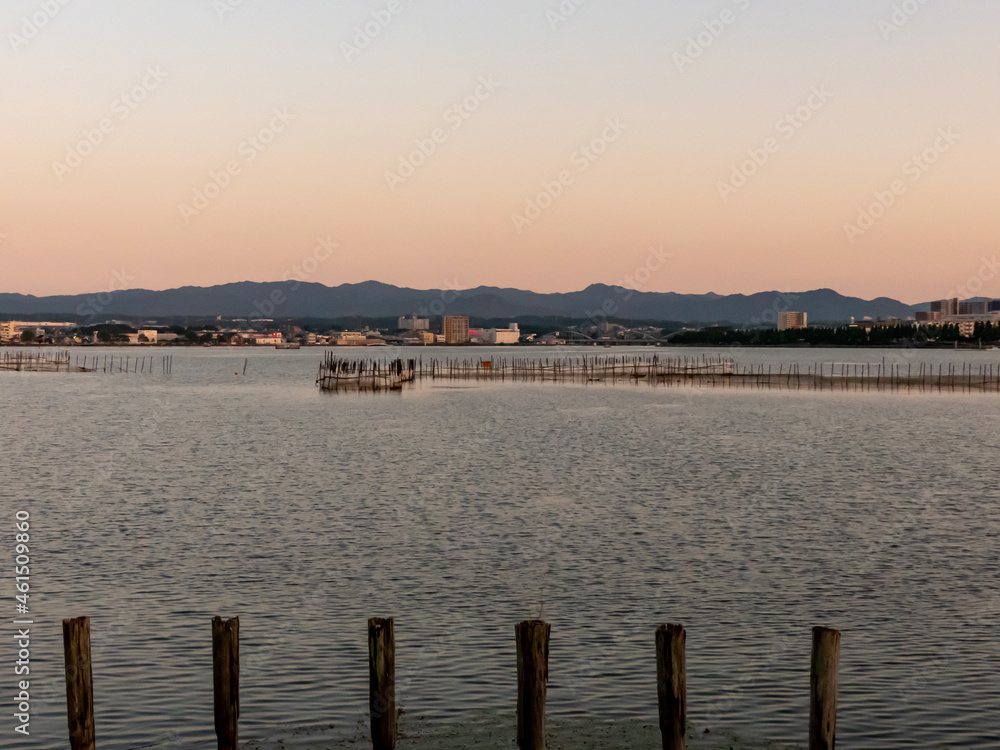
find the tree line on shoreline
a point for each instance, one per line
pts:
(839, 336)
(879, 336)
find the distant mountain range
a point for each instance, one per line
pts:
(373, 299)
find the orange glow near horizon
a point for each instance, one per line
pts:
(472, 147)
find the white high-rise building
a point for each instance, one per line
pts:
(791, 320)
(413, 324)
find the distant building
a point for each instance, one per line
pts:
(974, 307)
(264, 339)
(455, 329)
(608, 330)
(12, 329)
(413, 324)
(425, 337)
(962, 313)
(509, 335)
(359, 342)
(144, 336)
(355, 338)
(967, 323)
(945, 306)
(338, 336)
(791, 320)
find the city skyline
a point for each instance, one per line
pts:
(729, 148)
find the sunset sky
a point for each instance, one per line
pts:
(763, 145)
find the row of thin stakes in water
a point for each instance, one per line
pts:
(532, 644)
(65, 362)
(343, 372)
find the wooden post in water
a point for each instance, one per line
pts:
(671, 685)
(79, 684)
(532, 679)
(226, 680)
(382, 682)
(823, 689)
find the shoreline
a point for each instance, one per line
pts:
(497, 731)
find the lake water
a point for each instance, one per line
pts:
(460, 509)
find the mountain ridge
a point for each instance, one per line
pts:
(376, 299)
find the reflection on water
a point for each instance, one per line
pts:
(158, 502)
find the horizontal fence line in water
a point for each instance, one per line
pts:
(532, 646)
(62, 362)
(340, 373)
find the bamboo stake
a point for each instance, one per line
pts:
(382, 683)
(226, 680)
(79, 684)
(671, 685)
(532, 676)
(823, 676)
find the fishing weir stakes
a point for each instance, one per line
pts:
(63, 362)
(43, 362)
(531, 639)
(340, 373)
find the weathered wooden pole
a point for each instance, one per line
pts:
(382, 682)
(671, 685)
(532, 678)
(823, 689)
(226, 680)
(79, 684)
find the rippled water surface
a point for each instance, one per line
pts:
(750, 516)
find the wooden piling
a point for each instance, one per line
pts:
(226, 680)
(532, 678)
(382, 682)
(823, 689)
(79, 684)
(671, 685)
